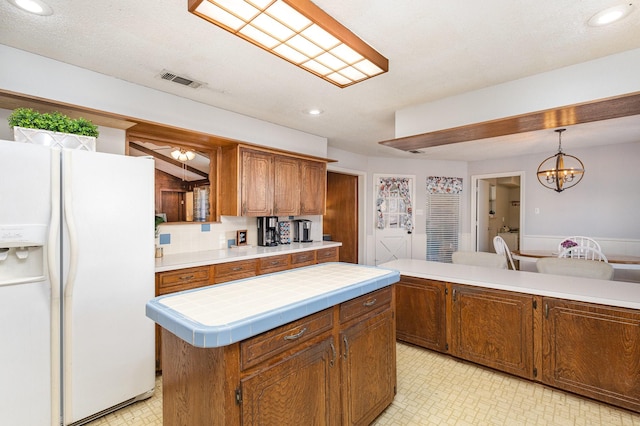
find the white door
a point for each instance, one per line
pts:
(482, 215)
(394, 220)
(109, 356)
(25, 293)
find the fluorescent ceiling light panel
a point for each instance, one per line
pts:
(299, 32)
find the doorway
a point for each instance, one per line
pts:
(341, 218)
(497, 206)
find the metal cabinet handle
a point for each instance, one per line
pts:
(333, 355)
(236, 268)
(370, 302)
(346, 347)
(186, 277)
(296, 335)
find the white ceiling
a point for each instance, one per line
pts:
(435, 49)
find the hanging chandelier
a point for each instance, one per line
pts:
(560, 171)
(182, 154)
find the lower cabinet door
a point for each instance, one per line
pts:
(493, 328)
(303, 389)
(420, 313)
(592, 350)
(368, 357)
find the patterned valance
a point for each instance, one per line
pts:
(444, 185)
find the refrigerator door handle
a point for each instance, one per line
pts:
(54, 279)
(71, 227)
(69, 284)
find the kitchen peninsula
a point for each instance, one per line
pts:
(313, 344)
(577, 334)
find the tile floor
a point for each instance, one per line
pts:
(435, 389)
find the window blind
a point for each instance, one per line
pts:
(443, 217)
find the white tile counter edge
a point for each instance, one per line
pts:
(612, 293)
(171, 262)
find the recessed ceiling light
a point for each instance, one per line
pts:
(611, 15)
(315, 111)
(37, 7)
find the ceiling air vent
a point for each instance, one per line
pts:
(185, 81)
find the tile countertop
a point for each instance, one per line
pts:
(171, 262)
(222, 314)
(612, 293)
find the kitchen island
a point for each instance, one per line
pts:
(314, 344)
(580, 335)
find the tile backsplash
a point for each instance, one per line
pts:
(191, 237)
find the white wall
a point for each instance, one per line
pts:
(34, 75)
(609, 76)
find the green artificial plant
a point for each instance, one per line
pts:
(55, 122)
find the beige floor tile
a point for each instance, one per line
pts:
(435, 389)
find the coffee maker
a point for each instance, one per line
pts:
(302, 231)
(268, 231)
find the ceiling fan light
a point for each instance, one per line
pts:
(182, 154)
(297, 31)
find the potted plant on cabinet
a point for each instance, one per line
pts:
(53, 129)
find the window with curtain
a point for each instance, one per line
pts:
(443, 217)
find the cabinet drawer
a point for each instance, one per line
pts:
(234, 270)
(273, 342)
(273, 264)
(304, 258)
(363, 305)
(327, 255)
(183, 279)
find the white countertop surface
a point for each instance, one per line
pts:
(172, 262)
(612, 293)
(222, 314)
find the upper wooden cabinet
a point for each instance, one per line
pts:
(256, 184)
(313, 191)
(262, 183)
(286, 186)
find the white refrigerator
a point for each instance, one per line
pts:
(76, 270)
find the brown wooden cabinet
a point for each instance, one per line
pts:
(304, 258)
(333, 367)
(368, 357)
(267, 265)
(183, 279)
(256, 184)
(330, 254)
(264, 183)
(179, 280)
(286, 186)
(592, 350)
(589, 349)
(313, 190)
(493, 328)
(289, 374)
(230, 271)
(420, 310)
